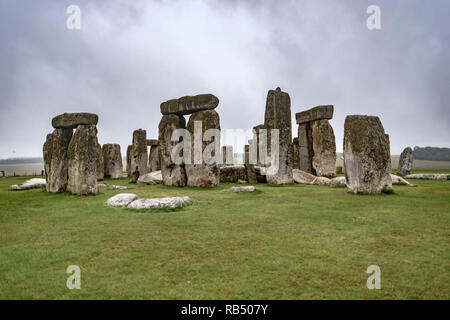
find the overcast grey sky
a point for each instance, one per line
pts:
(129, 56)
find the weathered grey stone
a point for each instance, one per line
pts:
(399, 180)
(100, 163)
(260, 157)
(324, 149)
(250, 168)
(154, 177)
(296, 153)
(366, 155)
(82, 155)
(303, 177)
(305, 147)
(152, 142)
(405, 162)
(172, 174)
(121, 199)
(242, 189)
(227, 155)
(316, 113)
(116, 187)
(189, 104)
(156, 203)
(73, 120)
(339, 170)
(154, 163)
(429, 176)
(204, 174)
(338, 182)
(278, 116)
(129, 151)
(112, 159)
(233, 173)
(139, 155)
(56, 159)
(29, 184)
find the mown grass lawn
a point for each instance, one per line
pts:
(280, 242)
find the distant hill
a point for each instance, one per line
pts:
(21, 160)
(432, 153)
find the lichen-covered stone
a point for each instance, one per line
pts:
(278, 116)
(129, 149)
(189, 104)
(112, 159)
(366, 155)
(233, 173)
(324, 149)
(172, 174)
(121, 199)
(250, 168)
(100, 163)
(296, 153)
(82, 155)
(316, 113)
(139, 153)
(73, 120)
(157, 203)
(405, 162)
(154, 163)
(154, 177)
(152, 142)
(204, 174)
(56, 159)
(305, 147)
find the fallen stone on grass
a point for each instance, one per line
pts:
(303, 177)
(399, 180)
(155, 203)
(117, 187)
(121, 199)
(154, 177)
(29, 184)
(101, 185)
(242, 189)
(429, 176)
(338, 182)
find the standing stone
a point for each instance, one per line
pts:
(100, 163)
(82, 154)
(172, 174)
(112, 159)
(56, 159)
(405, 163)
(366, 155)
(257, 139)
(129, 149)
(305, 148)
(324, 149)
(250, 168)
(154, 163)
(278, 116)
(296, 151)
(139, 155)
(227, 155)
(189, 104)
(207, 173)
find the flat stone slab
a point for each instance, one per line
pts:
(189, 104)
(399, 180)
(73, 120)
(117, 187)
(316, 113)
(121, 199)
(302, 177)
(429, 176)
(242, 189)
(338, 182)
(156, 203)
(154, 177)
(29, 184)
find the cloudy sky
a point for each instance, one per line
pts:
(129, 56)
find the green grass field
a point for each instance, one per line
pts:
(280, 242)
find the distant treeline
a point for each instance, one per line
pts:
(21, 160)
(432, 153)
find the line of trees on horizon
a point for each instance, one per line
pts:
(431, 153)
